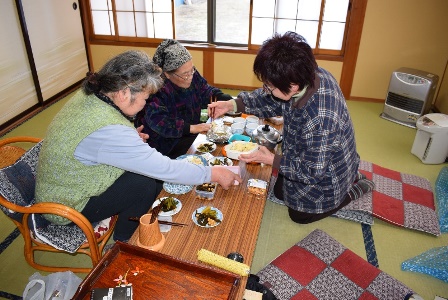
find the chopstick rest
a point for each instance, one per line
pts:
(223, 262)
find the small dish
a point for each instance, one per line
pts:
(220, 161)
(233, 114)
(176, 189)
(200, 209)
(170, 212)
(194, 159)
(237, 128)
(164, 227)
(205, 147)
(239, 137)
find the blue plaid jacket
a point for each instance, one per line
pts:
(319, 158)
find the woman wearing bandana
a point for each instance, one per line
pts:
(171, 117)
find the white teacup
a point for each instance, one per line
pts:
(252, 119)
(237, 128)
(239, 120)
(250, 127)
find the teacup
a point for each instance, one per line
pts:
(237, 128)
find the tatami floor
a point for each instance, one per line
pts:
(379, 141)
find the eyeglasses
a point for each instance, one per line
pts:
(267, 89)
(186, 75)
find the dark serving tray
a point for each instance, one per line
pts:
(163, 276)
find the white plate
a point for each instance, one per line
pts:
(200, 209)
(176, 189)
(224, 161)
(193, 158)
(171, 212)
(198, 145)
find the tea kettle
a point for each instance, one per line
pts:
(267, 136)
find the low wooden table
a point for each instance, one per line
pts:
(238, 232)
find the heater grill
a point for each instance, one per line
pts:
(412, 105)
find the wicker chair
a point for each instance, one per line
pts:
(17, 183)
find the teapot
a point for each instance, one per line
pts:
(267, 136)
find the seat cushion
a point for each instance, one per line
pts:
(64, 237)
(17, 182)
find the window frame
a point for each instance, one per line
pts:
(347, 55)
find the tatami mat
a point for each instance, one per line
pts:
(379, 141)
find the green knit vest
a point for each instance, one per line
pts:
(60, 177)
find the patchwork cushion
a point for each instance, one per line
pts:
(17, 184)
(401, 199)
(319, 267)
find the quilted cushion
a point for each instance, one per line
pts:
(17, 184)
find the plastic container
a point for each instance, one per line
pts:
(208, 193)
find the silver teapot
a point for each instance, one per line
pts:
(267, 136)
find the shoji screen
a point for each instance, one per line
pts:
(57, 43)
(17, 92)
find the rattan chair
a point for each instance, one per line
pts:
(17, 182)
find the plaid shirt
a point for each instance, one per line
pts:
(168, 114)
(319, 159)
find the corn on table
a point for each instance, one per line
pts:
(238, 231)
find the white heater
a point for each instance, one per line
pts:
(409, 96)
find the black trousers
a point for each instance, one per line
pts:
(182, 146)
(131, 195)
(303, 217)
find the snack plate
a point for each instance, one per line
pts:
(200, 209)
(170, 212)
(193, 158)
(198, 145)
(176, 189)
(224, 161)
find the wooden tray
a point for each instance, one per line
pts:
(163, 276)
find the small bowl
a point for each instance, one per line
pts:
(239, 137)
(237, 128)
(252, 119)
(236, 148)
(233, 114)
(239, 120)
(250, 127)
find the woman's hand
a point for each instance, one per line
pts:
(203, 127)
(224, 177)
(218, 108)
(262, 155)
(144, 136)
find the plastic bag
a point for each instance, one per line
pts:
(59, 285)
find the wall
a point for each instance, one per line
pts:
(399, 33)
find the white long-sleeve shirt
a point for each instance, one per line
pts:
(121, 146)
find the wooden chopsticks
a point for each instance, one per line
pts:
(212, 110)
(161, 222)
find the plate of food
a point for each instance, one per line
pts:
(194, 159)
(234, 149)
(207, 217)
(169, 206)
(176, 189)
(205, 147)
(220, 161)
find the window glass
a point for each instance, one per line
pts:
(163, 27)
(262, 28)
(144, 24)
(263, 8)
(288, 9)
(101, 23)
(332, 35)
(125, 21)
(100, 4)
(308, 29)
(232, 21)
(309, 10)
(143, 5)
(191, 21)
(125, 5)
(335, 10)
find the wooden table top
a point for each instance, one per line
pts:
(238, 231)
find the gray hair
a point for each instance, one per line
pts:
(130, 69)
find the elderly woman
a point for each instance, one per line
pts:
(95, 161)
(171, 117)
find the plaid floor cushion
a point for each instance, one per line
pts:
(319, 267)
